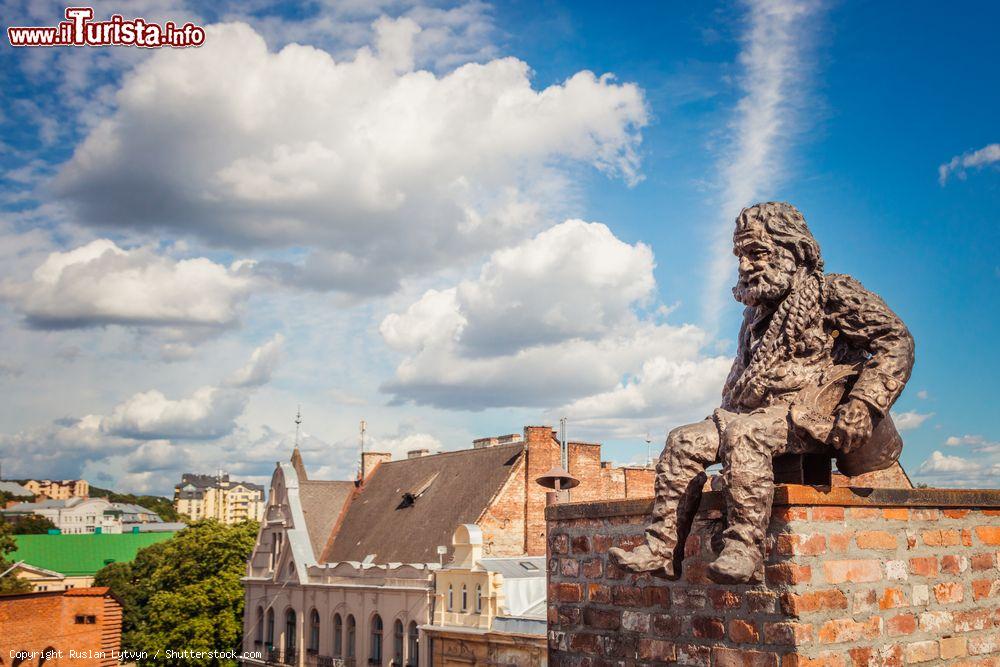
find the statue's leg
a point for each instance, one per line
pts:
(680, 476)
(749, 442)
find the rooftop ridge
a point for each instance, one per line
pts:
(508, 445)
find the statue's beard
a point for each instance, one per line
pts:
(766, 287)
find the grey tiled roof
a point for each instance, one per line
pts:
(462, 484)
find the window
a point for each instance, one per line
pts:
(375, 653)
(269, 638)
(338, 636)
(259, 634)
(290, 631)
(314, 631)
(397, 643)
(413, 650)
(465, 598)
(479, 598)
(79, 619)
(351, 632)
(451, 598)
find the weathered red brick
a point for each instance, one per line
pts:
(730, 657)
(569, 567)
(827, 513)
(788, 573)
(581, 544)
(694, 655)
(953, 647)
(954, 564)
(708, 627)
(896, 514)
(920, 651)
(903, 624)
(955, 513)
(980, 644)
(602, 619)
(856, 571)
(988, 535)
(568, 592)
(809, 544)
(599, 593)
(972, 620)
(796, 604)
(656, 649)
(937, 622)
(948, 592)
(593, 568)
(942, 538)
(725, 599)
(559, 543)
(848, 630)
(585, 643)
(763, 602)
(824, 660)
(743, 632)
(787, 633)
(985, 588)
(891, 598)
(628, 596)
(666, 625)
(875, 539)
(982, 562)
(924, 566)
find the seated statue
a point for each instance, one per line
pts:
(820, 361)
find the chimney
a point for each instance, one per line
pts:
(539, 434)
(370, 460)
(417, 453)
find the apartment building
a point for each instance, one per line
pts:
(218, 497)
(58, 489)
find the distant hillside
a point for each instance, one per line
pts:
(162, 506)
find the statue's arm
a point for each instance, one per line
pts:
(869, 324)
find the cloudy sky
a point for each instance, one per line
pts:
(452, 220)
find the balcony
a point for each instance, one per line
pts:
(275, 656)
(327, 661)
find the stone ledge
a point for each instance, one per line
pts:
(796, 494)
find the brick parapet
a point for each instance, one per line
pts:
(853, 577)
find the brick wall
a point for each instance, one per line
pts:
(853, 578)
(37, 622)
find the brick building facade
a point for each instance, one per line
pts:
(80, 627)
(854, 577)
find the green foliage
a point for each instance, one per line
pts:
(8, 497)
(185, 593)
(164, 507)
(31, 525)
(9, 583)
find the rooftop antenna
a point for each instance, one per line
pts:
(649, 450)
(361, 463)
(298, 420)
(563, 451)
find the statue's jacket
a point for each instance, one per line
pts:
(853, 329)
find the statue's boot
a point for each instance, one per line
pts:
(642, 560)
(737, 564)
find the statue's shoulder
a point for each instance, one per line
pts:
(840, 286)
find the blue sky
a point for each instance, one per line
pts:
(195, 243)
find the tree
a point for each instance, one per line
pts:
(9, 582)
(32, 524)
(185, 591)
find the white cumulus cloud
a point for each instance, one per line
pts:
(555, 320)
(381, 169)
(100, 283)
(976, 465)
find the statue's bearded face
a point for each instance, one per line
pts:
(765, 272)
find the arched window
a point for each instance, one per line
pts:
(375, 653)
(413, 650)
(258, 637)
(465, 598)
(351, 632)
(479, 598)
(397, 643)
(313, 631)
(451, 597)
(269, 638)
(290, 632)
(338, 636)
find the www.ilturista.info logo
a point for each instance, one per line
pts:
(80, 30)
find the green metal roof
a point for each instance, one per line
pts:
(81, 555)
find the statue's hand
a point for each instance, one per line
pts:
(852, 425)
